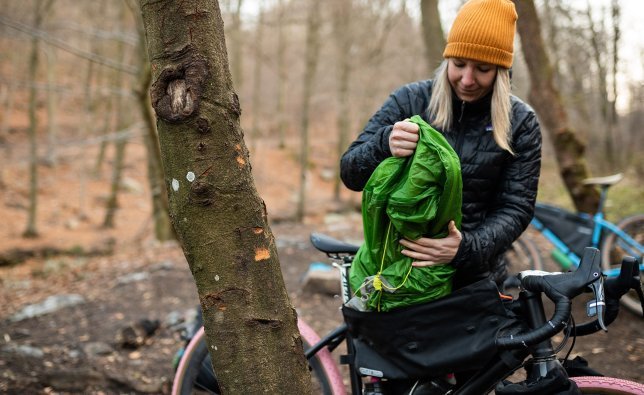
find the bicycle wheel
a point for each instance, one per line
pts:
(614, 248)
(522, 255)
(195, 374)
(608, 385)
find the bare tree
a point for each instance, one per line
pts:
(257, 74)
(432, 33)
(121, 142)
(52, 124)
(159, 198)
(342, 15)
(569, 150)
(41, 9)
(311, 58)
(281, 74)
(236, 43)
(220, 220)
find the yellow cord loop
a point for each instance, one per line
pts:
(378, 284)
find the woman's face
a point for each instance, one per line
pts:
(470, 79)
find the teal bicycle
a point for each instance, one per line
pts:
(570, 233)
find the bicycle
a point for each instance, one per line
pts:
(569, 233)
(195, 373)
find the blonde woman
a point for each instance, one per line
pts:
(495, 135)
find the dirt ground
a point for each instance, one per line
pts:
(122, 276)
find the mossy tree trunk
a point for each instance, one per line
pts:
(220, 220)
(545, 98)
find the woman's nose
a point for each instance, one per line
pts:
(468, 76)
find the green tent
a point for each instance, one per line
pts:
(407, 198)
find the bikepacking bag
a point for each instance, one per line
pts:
(454, 334)
(575, 230)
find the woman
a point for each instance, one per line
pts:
(495, 135)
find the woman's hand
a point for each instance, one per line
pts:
(403, 139)
(430, 252)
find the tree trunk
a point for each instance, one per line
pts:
(257, 79)
(163, 229)
(104, 132)
(52, 124)
(121, 141)
(545, 98)
(31, 229)
(312, 53)
(219, 217)
(599, 49)
(343, 40)
(236, 47)
(281, 76)
(432, 33)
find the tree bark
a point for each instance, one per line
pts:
(545, 98)
(432, 33)
(220, 219)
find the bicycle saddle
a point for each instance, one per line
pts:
(329, 245)
(604, 181)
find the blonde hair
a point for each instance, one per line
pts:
(440, 105)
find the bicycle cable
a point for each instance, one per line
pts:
(574, 338)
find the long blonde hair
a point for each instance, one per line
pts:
(440, 105)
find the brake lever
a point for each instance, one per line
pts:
(597, 306)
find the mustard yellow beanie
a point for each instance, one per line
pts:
(484, 31)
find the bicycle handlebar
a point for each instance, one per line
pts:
(614, 288)
(561, 289)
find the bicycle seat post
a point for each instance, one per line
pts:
(604, 183)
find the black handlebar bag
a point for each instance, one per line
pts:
(449, 335)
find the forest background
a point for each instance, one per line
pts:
(77, 165)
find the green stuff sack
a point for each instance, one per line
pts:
(409, 198)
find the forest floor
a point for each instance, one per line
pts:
(114, 279)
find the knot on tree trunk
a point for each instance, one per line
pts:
(178, 90)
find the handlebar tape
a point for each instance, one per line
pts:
(561, 289)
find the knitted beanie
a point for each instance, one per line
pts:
(484, 31)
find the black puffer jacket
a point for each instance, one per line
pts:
(499, 190)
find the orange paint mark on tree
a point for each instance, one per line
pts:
(262, 254)
(258, 231)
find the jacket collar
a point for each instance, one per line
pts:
(478, 107)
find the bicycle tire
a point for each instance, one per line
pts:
(612, 255)
(522, 255)
(608, 385)
(528, 252)
(195, 375)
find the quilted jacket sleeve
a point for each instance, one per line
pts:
(372, 145)
(514, 204)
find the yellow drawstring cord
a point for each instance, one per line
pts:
(378, 284)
